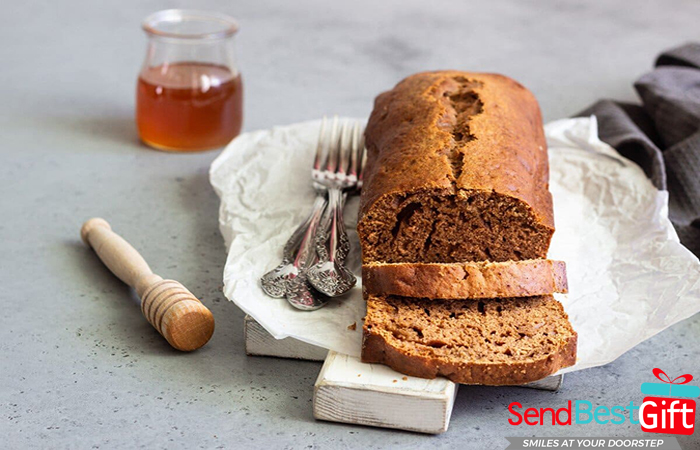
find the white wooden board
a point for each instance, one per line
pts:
(551, 383)
(350, 391)
(259, 342)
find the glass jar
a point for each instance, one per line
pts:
(189, 94)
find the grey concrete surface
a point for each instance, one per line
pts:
(80, 368)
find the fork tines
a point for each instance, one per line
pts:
(335, 140)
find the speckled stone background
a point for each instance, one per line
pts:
(80, 367)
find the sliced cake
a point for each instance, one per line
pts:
(466, 280)
(506, 341)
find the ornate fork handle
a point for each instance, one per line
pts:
(342, 247)
(329, 275)
(306, 255)
(332, 243)
(274, 282)
(291, 247)
(298, 291)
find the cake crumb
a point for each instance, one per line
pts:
(352, 326)
(394, 381)
(405, 378)
(359, 375)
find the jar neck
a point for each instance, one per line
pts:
(190, 24)
(167, 51)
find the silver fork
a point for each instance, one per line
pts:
(288, 279)
(339, 173)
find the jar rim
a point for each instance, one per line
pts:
(222, 25)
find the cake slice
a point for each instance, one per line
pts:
(506, 341)
(466, 280)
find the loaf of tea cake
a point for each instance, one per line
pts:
(456, 205)
(456, 171)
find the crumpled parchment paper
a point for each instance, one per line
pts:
(629, 277)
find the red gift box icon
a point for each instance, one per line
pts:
(667, 414)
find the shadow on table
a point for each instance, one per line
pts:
(120, 313)
(115, 128)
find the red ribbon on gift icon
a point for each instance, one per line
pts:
(658, 373)
(678, 390)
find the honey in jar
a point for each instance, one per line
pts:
(189, 92)
(189, 106)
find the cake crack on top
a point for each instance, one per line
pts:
(462, 104)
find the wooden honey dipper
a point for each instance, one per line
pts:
(172, 310)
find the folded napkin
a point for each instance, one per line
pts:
(662, 134)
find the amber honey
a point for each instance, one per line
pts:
(188, 106)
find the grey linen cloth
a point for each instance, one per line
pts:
(662, 134)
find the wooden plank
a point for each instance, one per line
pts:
(350, 391)
(258, 342)
(551, 383)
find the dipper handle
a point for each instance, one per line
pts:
(172, 309)
(117, 254)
